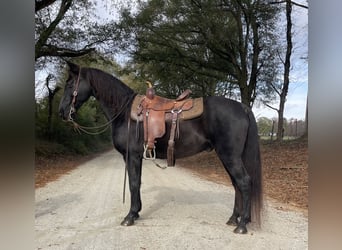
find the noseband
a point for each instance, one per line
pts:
(72, 105)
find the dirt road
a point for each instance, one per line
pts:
(83, 210)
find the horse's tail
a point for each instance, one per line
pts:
(252, 161)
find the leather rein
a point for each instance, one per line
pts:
(104, 127)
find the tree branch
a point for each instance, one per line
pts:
(47, 84)
(51, 50)
(300, 5)
(280, 58)
(269, 106)
(65, 5)
(294, 3)
(42, 4)
(275, 89)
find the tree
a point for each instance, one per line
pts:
(51, 39)
(264, 126)
(69, 28)
(282, 90)
(51, 95)
(214, 47)
(287, 65)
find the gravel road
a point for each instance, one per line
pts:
(83, 210)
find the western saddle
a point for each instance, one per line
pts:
(155, 110)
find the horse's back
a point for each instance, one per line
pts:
(224, 123)
(226, 108)
(226, 119)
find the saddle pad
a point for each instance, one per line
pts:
(195, 111)
(135, 107)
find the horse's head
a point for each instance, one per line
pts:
(77, 90)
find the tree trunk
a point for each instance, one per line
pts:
(244, 93)
(305, 135)
(287, 66)
(51, 95)
(255, 59)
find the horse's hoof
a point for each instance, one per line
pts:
(240, 230)
(232, 222)
(127, 222)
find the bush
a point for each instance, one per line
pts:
(49, 149)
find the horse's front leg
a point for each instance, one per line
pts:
(134, 177)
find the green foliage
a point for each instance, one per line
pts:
(264, 126)
(292, 129)
(69, 29)
(211, 47)
(62, 137)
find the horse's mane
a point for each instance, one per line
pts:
(108, 88)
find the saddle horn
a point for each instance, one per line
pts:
(149, 84)
(150, 91)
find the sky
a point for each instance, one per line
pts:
(295, 105)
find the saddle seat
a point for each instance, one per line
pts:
(155, 111)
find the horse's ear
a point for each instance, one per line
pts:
(74, 68)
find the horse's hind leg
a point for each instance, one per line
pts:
(234, 219)
(242, 184)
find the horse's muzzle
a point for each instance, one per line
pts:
(64, 118)
(64, 115)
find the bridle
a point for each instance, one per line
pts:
(94, 130)
(75, 92)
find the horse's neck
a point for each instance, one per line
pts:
(119, 109)
(113, 98)
(109, 113)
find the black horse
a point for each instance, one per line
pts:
(227, 126)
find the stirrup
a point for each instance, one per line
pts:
(151, 153)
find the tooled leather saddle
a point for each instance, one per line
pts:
(154, 111)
